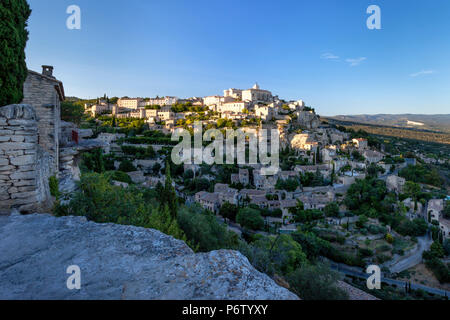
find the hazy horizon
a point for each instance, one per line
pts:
(321, 52)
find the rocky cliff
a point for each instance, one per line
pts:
(118, 262)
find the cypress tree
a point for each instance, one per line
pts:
(169, 196)
(13, 39)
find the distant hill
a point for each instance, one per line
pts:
(434, 122)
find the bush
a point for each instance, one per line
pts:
(120, 176)
(204, 231)
(53, 184)
(439, 269)
(447, 247)
(98, 200)
(127, 166)
(250, 218)
(318, 282)
(72, 112)
(13, 34)
(417, 227)
(389, 238)
(365, 252)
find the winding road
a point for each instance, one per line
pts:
(402, 263)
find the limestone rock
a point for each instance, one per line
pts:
(118, 262)
(15, 111)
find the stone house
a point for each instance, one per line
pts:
(435, 207)
(243, 177)
(208, 200)
(373, 156)
(45, 93)
(285, 205)
(444, 226)
(395, 183)
(360, 143)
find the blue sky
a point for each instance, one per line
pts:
(320, 51)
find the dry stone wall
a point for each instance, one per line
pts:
(23, 182)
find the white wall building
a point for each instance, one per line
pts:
(256, 94)
(129, 103)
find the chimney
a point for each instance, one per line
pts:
(47, 71)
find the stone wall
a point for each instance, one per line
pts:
(24, 165)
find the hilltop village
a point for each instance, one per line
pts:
(344, 196)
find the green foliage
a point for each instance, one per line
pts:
(127, 166)
(446, 211)
(98, 200)
(197, 184)
(250, 218)
(138, 152)
(362, 221)
(422, 174)
(310, 179)
(150, 140)
(417, 227)
(72, 111)
(357, 156)
(203, 230)
(316, 282)
(53, 184)
(119, 176)
(373, 169)
(168, 196)
(290, 184)
(366, 194)
(331, 209)
(285, 254)
(314, 247)
(228, 211)
(434, 263)
(437, 250)
(389, 238)
(13, 38)
(94, 161)
(446, 246)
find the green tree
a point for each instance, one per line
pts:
(250, 218)
(72, 112)
(331, 209)
(127, 166)
(13, 39)
(168, 196)
(204, 231)
(228, 211)
(316, 282)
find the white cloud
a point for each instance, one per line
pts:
(420, 73)
(355, 62)
(329, 56)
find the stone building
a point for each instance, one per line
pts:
(45, 93)
(395, 183)
(257, 95)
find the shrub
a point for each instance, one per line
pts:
(250, 218)
(120, 176)
(389, 238)
(365, 252)
(53, 184)
(316, 283)
(127, 166)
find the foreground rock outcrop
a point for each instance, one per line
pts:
(118, 262)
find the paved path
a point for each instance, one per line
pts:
(403, 263)
(353, 271)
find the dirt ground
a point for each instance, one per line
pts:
(421, 275)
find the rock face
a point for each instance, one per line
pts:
(118, 262)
